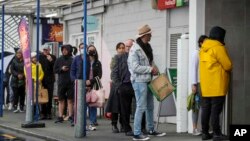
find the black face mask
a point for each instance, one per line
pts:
(92, 53)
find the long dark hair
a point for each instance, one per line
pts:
(96, 55)
(118, 45)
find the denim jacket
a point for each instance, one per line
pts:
(138, 65)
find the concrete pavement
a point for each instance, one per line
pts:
(64, 132)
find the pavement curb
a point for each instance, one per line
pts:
(47, 138)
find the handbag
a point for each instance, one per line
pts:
(43, 97)
(160, 87)
(91, 96)
(100, 94)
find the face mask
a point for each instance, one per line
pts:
(82, 51)
(92, 53)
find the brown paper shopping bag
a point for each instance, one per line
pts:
(42, 95)
(160, 87)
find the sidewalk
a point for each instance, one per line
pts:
(64, 132)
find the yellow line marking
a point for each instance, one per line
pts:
(8, 136)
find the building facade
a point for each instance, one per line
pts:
(118, 20)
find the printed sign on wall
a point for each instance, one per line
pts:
(165, 4)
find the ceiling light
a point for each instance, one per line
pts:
(51, 15)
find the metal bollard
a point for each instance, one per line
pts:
(80, 120)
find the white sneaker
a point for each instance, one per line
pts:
(92, 128)
(10, 107)
(21, 111)
(196, 132)
(15, 111)
(3, 107)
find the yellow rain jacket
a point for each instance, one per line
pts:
(40, 73)
(215, 66)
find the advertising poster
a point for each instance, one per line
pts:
(52, 33)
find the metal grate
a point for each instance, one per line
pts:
(173, 49)
(11, 37)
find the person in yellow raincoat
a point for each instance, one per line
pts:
(215, 68)
(33, 67)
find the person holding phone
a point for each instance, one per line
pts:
(65, 85)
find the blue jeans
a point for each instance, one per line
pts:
(144, 103)
(92, 114)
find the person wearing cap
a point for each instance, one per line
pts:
(215, 68)
(33, 69)
(128, 44)
(142, 68)
(18, 81)
(65, 85)
(121, 78)
(47, 61)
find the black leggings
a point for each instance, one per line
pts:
(19, 95)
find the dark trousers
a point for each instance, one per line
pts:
(46, 108)
(6, 86)
(143, 122)
(115, 117)
(212, 106)
(19, 95)
(126, 94)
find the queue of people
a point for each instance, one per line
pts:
(132, 69)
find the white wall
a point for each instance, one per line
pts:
(121, 22)
(179, 17)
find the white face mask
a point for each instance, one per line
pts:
(82, 51)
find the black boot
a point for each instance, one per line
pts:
(115, 129)
(220, 137)
(122, 130)
(206, 136)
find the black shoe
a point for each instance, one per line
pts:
(43, 118)
(220, 137)
(140, 138)
(49, 117)
(144, 131)
(122, 130)
(59, 120)
(155, 133)
(129, 133)
(206, 136)
(95, 124)
(71, 120)
(115, 129)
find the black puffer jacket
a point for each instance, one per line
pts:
(17, 67)
(64, 60)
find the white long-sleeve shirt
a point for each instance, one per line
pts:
(195, 68)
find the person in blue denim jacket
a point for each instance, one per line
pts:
(142, 68)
